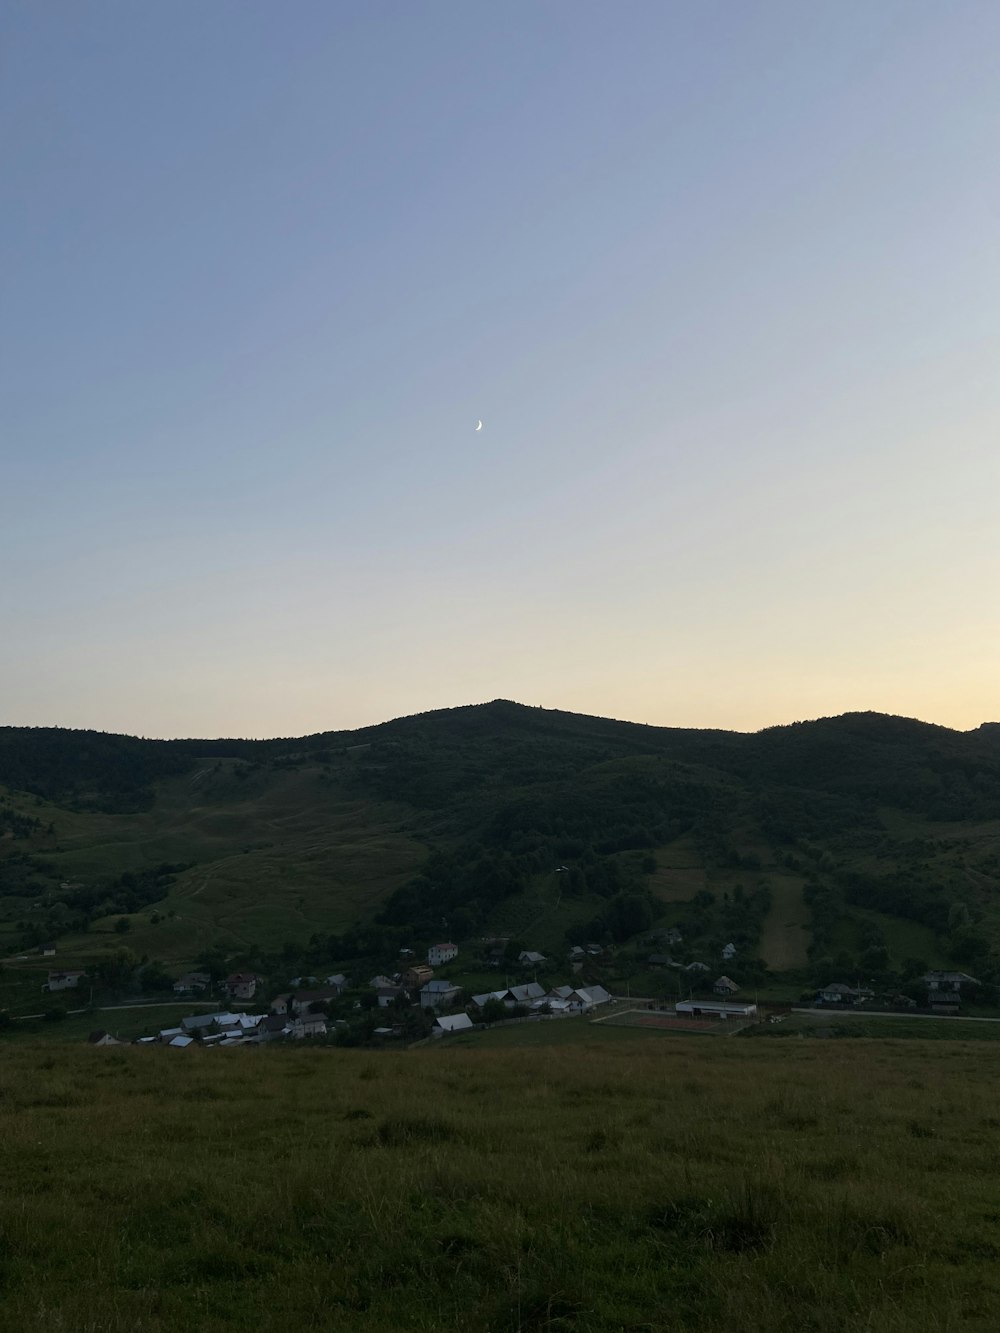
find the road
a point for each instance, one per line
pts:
(891, 1013)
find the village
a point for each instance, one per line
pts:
(413, 1005)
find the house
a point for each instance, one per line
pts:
(47, 950)
(381, 981)
(166, 1035)
(240, 1025)
(192, 981)
(338, 981)
(307, 1025)
(452, 1023)
(271, 1028)
(180, 1042)
(590, 997)
(577, 954)
(438, 995)
(201, 1022)
(63, 980)
(838, 992)
(725, 986)
(722, 1009)
(242, 985)
(527, 958)
(729, 951)
(696, 967)
(441, 953)
(948, 980)
(387, 995)
(305, 1001)
(480, 1000)
(102, 1038)
(944, 1001)
(280, 1003)
(416, 975)
(674, 936)
(526, 994)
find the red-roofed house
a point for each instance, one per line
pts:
(242, 985)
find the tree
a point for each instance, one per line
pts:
(875, 959)
(966, 945)
(115, 971)
(958, 915)
(154, 978)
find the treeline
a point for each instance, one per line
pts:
(74, 907)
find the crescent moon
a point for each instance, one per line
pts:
(479, 425)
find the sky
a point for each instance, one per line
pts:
(721, 280)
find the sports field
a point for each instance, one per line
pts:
(645, 1018)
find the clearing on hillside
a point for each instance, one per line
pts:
(786, 930)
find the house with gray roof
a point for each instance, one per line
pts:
(452, 1023)
(438, 994)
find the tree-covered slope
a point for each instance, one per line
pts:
(497, 816)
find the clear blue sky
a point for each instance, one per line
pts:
(722, 281)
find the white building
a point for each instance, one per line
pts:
(714, 1009)
(438, 995)
(441, 953)
(452, 1023)
(63, 980)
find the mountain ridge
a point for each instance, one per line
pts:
(461, 815)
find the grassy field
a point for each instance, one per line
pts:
(126, 1023)
(608, 1185)
(833, 1024)
(279, 855)
(786, 932)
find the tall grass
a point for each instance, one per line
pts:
(753, 1187)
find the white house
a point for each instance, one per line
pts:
(102, 1038)
(527, 958)
(63, 980)
(192, 981)
(242, 985)
(308, 1025)
(438, 994)
(389, 995)
(441, 953)
(729, 951)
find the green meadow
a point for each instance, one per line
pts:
(598, 1185)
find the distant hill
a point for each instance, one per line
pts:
(829, 840)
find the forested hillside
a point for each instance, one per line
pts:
(844, 842)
